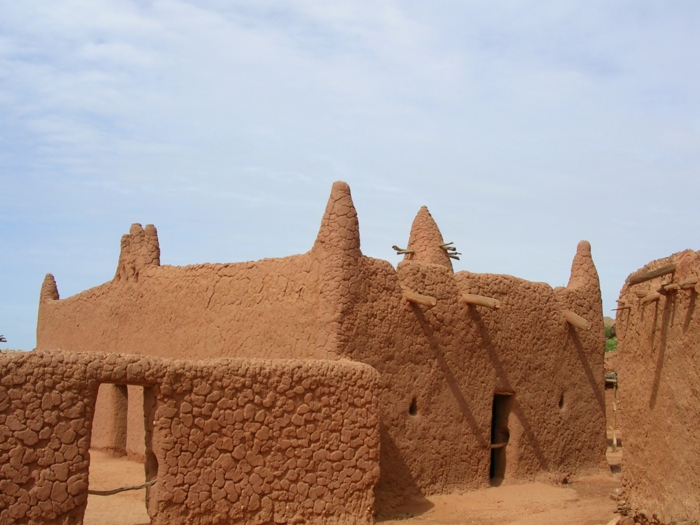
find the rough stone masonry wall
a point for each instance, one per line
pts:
(659, 391)
(228, 441)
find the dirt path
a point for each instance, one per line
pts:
(585, 501)
(125, 508)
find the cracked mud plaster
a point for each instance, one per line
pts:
(228, 441)
(659, 402)
(440, 366)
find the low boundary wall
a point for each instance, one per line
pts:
(227, 440)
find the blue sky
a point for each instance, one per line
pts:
(523, 126)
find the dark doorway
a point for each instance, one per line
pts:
(500, 435)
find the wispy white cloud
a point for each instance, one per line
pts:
(523, 126)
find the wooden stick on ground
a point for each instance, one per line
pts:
(120, 489)
(576, 320)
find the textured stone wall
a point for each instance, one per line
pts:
(659, 396)
(441, 365)
(232, 440)
(45, 409)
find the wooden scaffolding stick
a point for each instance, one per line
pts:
(480, 300)
(641, 277)
(650, 298)
(690, 282)
(402, 251)
(576, 320)
(417, 298)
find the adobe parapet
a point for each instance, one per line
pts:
(456, 351)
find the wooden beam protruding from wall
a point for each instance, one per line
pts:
(576, 320)
(417, 298)
(622, 304)
(650, 298)
(690, 282)
(480, 300)
(641, 277)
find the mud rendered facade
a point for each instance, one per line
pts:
(484, 377)
(659, 369)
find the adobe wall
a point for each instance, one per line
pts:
(659, 374)
(267, 309)
(451, 358)
(442, 366)
(110, 419)
(231, 440)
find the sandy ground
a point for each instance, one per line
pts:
(584, 501)
(125, 508)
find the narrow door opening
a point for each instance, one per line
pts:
(500, 435)
(121, 455)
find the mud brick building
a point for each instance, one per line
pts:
(484, 377)
(659, 379)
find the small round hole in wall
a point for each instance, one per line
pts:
(561, 402)
(413, 409)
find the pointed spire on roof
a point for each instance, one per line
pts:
(139, 248)
(49, 290)
(340, 229)
(426, 241)
(583, 271)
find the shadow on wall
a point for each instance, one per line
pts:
(689, 313)
(449, 377)
(408, 500)
(665, 321)
(504, 382)
(597, 385)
